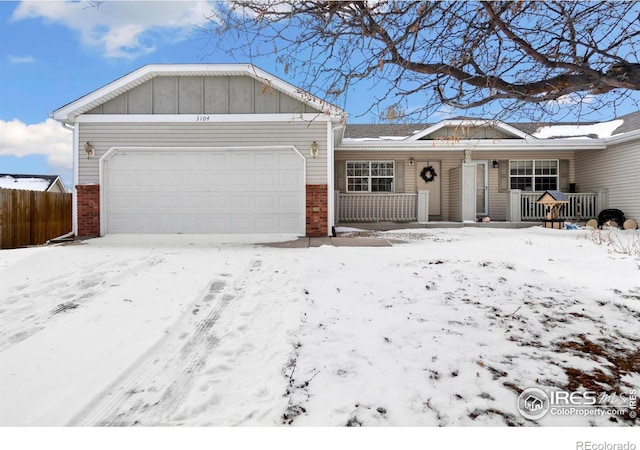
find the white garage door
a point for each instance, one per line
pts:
(204, 191)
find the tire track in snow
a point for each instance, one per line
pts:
(30, 309)
(150, 392)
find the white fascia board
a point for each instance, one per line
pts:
(204, 118)
(470, 123)
(330, 188)
(103, 94)
(69, 112)
(624, 137)
(295, 92)
(76, 178)
(492, 145)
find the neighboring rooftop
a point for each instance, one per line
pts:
(24, 182)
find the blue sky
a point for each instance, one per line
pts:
(53, 52)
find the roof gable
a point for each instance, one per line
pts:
(112, 97)
(463, 129)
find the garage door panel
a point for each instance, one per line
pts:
(290, 203)
(267, 160)
(217, 191)
(240, 160)
(288, 161)
(287, 179)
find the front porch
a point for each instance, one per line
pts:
(411, 209)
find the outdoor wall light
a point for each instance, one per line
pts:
(89, 149)
(412, 161)
(314, 149)
(494, 164)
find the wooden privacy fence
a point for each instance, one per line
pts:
(32, 218)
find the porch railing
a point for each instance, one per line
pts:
(583, 205)
(376, 207)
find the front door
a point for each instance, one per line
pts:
(482, 188)
(428, 178)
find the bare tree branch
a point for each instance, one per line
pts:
(524, 55)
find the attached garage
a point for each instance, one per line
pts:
(202, 149)
(203, 190)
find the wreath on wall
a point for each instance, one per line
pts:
(428, 174)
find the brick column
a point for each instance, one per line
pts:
(317, 210)
(88, 196)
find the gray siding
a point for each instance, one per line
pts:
(451, 160)
(498, 200)
(103, 136)
(203, 95)
(455, 194)
(617, 169)
(448, 161)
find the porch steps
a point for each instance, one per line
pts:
(388, 226)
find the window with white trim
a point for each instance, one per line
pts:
(370, 176)
(534, 175)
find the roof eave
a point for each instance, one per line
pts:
(476, 145)
(623, 137)
(70, 111)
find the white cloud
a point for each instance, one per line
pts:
(21, 59)
(573, 99)
(48, 138)
(121, 29)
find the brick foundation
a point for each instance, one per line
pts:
(317, 210)
(88, 196)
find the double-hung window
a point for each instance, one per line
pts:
(370, 176)
(534, 175)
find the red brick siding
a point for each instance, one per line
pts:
(317, 210)
(88, 209)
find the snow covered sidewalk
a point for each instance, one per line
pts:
(447, 329)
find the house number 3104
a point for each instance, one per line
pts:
(202, 118)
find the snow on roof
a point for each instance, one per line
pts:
(27, 182)
(381, 138)
(596, 130)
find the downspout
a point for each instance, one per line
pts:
(330, 205)
(74, 175)
(331, 175)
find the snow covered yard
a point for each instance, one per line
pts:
(446, 329)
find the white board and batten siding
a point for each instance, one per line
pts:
(615, 169)
(104, 136)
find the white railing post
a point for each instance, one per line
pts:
(514, 211)
(423, 206)
(602, 201)
(376, 207)
(336, 206)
